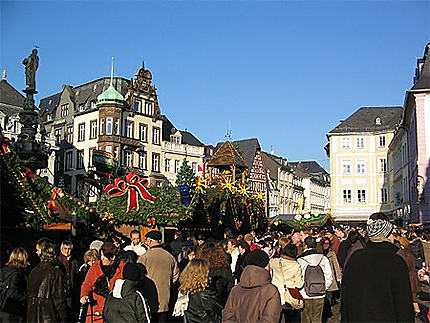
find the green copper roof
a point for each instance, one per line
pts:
(110, 96)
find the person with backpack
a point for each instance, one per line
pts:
(317, 278)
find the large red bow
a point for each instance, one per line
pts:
(132, 185)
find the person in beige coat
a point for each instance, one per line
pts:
(162, 269)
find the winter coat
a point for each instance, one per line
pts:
(335, 269)
(408, 257)
(426, 249)
(163, 270)
(375, 286)
(239, 266)
(288, 273)
(254, 299)
(418, 252)
(139, 249)
(204, 307)
(126, 304)
(16, 294)
(222, 280)
(313, 257)
(234, 256)
(95, 311)
(46, 297)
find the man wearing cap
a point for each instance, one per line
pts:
(375, 281)
(162, 269)
(254, 299)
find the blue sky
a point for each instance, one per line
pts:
(285, 72)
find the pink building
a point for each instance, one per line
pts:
(416, 120)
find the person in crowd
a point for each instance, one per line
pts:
(287, 273)
(334, 240)
(70, 268)
(45, 289)
(125, 303)
(147, 288)
(203, 304)
(249, 238)
(219, 268)
(375, 283)
(340, 233)
(14, 296)
(162, 269)
(330, 300)
(255, 298)
(136, 244)
(90, 258)
(188, 253)
(96, 244)
(40, 244)
(317, 278)
(100, 280)
(200, 239)
(177, 244)
(417, 249)
(348, 246)
(243, 248)
(297, 241)
(227, 235)
(425, 240)
(233, 251)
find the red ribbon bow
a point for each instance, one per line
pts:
(4, 145)
(132, 185)
(27, 174)
(50, 206)
(57, 192)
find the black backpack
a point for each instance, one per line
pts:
(314, 280)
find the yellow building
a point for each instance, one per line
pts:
(359, 170)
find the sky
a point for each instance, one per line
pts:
(285, 72)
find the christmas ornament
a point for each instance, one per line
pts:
(58, 192)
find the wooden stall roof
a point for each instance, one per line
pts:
(227, 155)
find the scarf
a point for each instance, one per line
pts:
(101, 285)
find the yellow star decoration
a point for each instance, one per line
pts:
(261, 196)
(243, 190)
(229, 184)
(200, 185)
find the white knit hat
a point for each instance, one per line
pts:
(380, 228)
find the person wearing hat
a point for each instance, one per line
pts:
(375, 282)
(162, 269)
(125, 303)
(254, 299)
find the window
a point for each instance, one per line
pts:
(142, 160)
(361, 196)
(81, 132)
(167, 165)
(57, 136)
(148, 108)
(93, 127)
(137, 105)
(128, 158)
(81, 107)
(80, 159)
(346, 167)
(90, 156)
(346, 196)
(381, 141)
(64, 110)
(361, 167)
(360, 143)
(346, 143)
(102, 126)
(194, 167)
(143, 132)
(155, 162)
(116, 126)
(176, 139)
(93, 104)
(156, 136)
(49, 117)
(108, 149)
(109, 121)
(382, 165)
(129, 129)
(69, 160)
(177, 166)
(70, 134)
(383, 195)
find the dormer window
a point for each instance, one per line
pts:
(81, 107)
(378, 121)
(93, 104)
(175, 139)
(49, 117)
(137, 105)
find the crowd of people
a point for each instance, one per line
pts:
(375, 272)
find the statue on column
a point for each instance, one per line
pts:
(31, 64)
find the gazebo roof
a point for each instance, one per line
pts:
(227, 155)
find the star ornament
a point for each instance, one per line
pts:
(228, 184)
(243, 190)
(200, 185)
(261, 196)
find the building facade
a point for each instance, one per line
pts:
(359, 169)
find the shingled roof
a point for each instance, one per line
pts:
(422, 74)
(246, 148)
(310, 167)
(187, 137)
(10, 99)
(364, 120)
(227, 155)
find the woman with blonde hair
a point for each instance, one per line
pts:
(203, 305)
(13, 285)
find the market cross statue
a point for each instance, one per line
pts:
(31, 64)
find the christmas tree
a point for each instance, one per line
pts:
(185, 175)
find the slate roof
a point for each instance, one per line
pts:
(271, 164)
(84, 93)
(422, 79)
(187, 137)
(246, 148)
(227, 155)
(363, 120)
(12, 101)
(310, 167)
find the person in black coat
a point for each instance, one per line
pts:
(13, 284)
(375, 282)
